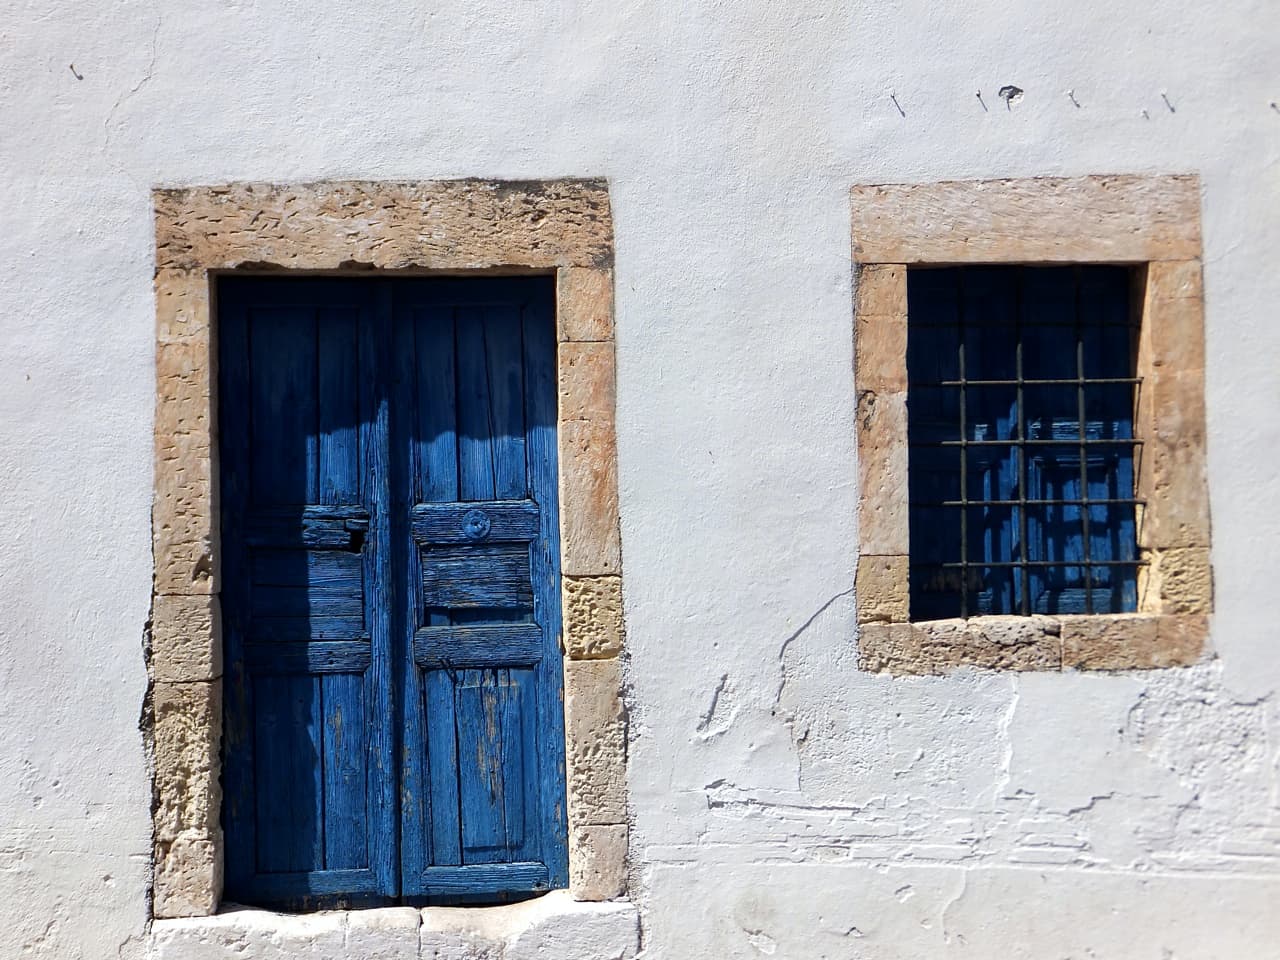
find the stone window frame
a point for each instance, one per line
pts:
(1150, 223)
(466, 227)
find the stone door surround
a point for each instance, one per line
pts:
(561, 227)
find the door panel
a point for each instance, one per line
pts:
(484, 673)
(391, 568)
(308, 696)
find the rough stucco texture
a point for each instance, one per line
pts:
(784, 802)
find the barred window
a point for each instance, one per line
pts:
(1021, 394)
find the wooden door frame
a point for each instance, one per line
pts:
(562, 228)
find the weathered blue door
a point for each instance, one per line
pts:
(391, 590)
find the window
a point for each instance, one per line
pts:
(1021, 394)
(1029, 367)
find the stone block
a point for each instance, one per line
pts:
(882, 290)
(880, 353)
(1131, 218)
(598, 861)
(1131, 641)
(440, 225)
(1175, 280)
(187, 738)
(942, 646)
(182, 306)
(590, 540)
(593, 625)
(596, 744)
(1177, 334)
(186, 638)
(584, 303)
(587, 381)
(188, 876)
(385, 933)
(881, 590)
(883, 520)
(1177, 580)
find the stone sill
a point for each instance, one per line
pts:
(552, 926)
(1123, 641)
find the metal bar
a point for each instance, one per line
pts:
(1114, 501)
(1037, 563)
(964, 455)
(1025, 570)
(1084, 464)
(1030, 382)
(1014, 441)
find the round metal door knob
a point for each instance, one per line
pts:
(476, 524)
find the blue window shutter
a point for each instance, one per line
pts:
(999, 525)
(391, 576)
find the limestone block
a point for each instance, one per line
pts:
(1131, 218)
(880, 353)
(593, 626)
(1174, 315)
(447, 224)
(386, 933)
(590, 542)
(1131, 641)
(883, 523)
(881, 589)
(584, 303)
(596, 745)
(587, 381)
(1177, 580)
(186, 638)
(182, 307)
(187, 736)
(188, 876)
(941, 646)
(598, 861)
(882, 290)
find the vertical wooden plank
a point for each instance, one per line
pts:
(346, 840)
(289, 791)
(503, 341)
(476, 463)
(381, 613)
(283, 431)
(481, 782)
(436, 439)
(519, 769)
(544, 801)
(239, 806)
(338, 356)
(442, 760)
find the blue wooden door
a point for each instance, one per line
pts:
(391, 590)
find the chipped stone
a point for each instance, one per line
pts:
(1131, 641)
(188, 734)
(881, 589)
(883, 524)
(941, 646)
(596, 747)
(186, 638)
(593, 625)
(597, 861)
(188, 876)
(1177, 580)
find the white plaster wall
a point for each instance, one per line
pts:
(784, 804)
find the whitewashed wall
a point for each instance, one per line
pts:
(784, 804)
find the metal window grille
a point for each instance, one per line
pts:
(1021, 397)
